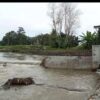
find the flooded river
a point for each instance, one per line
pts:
(58, 84)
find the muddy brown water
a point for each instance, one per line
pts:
(58, 84)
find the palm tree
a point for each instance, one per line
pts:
(88, 39)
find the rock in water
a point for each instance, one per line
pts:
(5, 64)
(18, 81)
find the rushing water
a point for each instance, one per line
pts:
(59, 84)
(8, 56)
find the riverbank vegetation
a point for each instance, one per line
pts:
(61, 40)
(20, 42)
(45, 50)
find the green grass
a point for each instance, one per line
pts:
(34, 49)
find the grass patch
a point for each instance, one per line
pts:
(45, 50)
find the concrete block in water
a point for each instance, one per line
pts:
(70, 62)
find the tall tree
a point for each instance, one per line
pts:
(10, 38)
(71, 18)
(22, 38)
(64, 15)
(52, 13)
(59, 18)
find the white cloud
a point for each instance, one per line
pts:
(90, 16)
(33, 17)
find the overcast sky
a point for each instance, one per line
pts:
(33, 17)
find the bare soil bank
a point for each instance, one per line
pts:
(52, 52)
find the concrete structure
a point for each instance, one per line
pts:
(96, 55)
(69, 62)
(74, 62)
(97, 27)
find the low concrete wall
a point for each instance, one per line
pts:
(96, 55)
(70, 62)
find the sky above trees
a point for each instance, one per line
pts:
(34, 19)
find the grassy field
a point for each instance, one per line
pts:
(45, 50)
